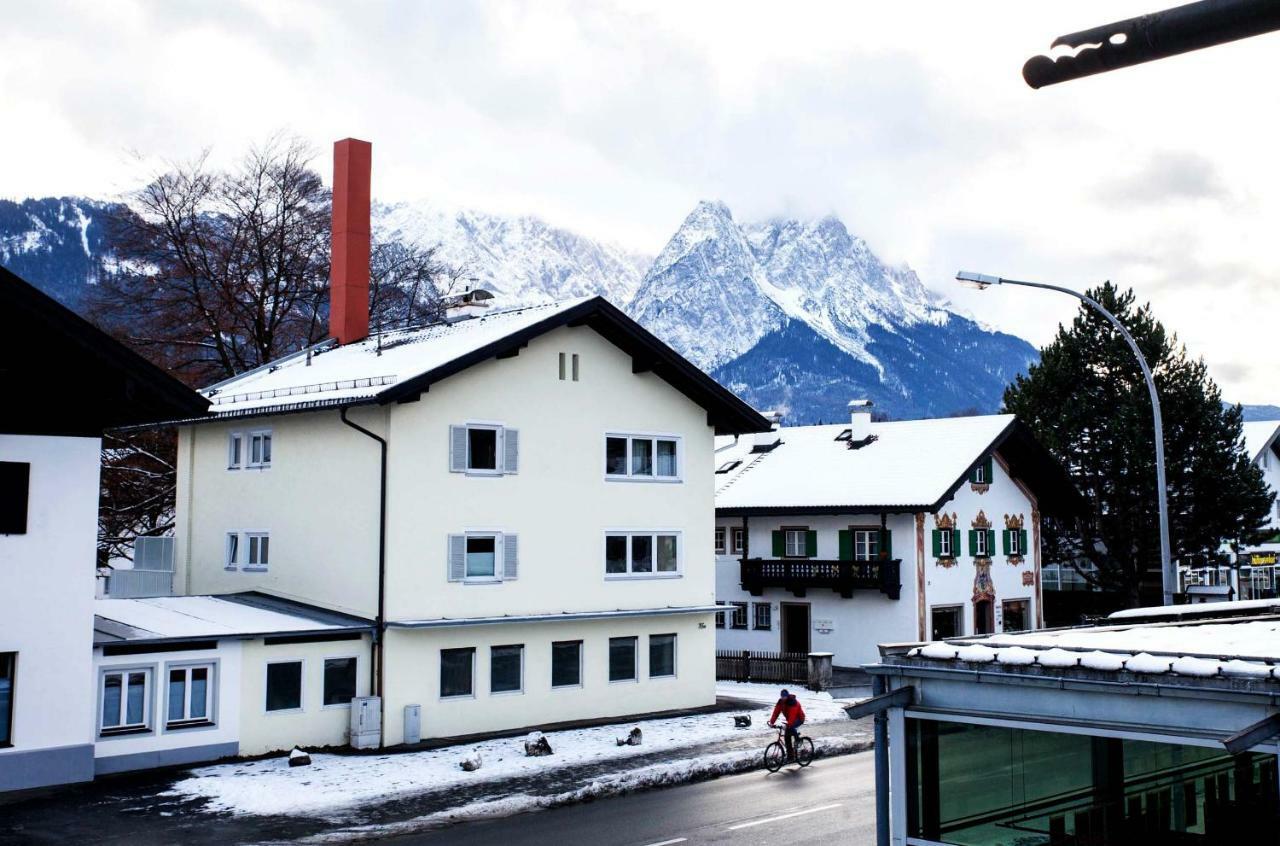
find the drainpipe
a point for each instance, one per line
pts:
(380, 624)
(879, 687)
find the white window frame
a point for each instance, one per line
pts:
(232, 552)
(247, 546)
(653, 438)
(653, 534)
(788, 535)
(944, 544)
(211, 698)
(326, 659)
(635, 659)
(499, 446)
(520, 690)
(737, 540)
(734, 609)
(302, 686)
(675, 653)
(498, 553)
(721, 533)
(869, 535)
(475, 660)
(581, 653)
(235, 450)
(980, 547)
(1015, 542)
(979, 474)
(264, 436)
(148, 695)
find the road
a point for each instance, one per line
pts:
(831, 801)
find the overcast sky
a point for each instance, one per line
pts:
(909, 120)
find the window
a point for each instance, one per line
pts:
(641, 554)
(284, 686)
(642, 457)
(339, 681)
(981, 473)
(795, 542)
(573, 362)
(739, 620)
(727, 466)
(947, 621)
(943, 540)
(981, 542)
(233, 550)
(736, 541)
(15, 491)
(235, 450)
(1015, 542)
(720, 617)
(866, 544)
(260, 449)
(484, 557)
(566, 663)
(762, 613)
(259, 544)
(506, 669)
(457, 672)
(720, 548)
(126, 701)
(8, 680)
(481, 556)
(662, 656)
(190, 696)
(483, 449)
(622, 659)
(1015, 614)
(575, 367)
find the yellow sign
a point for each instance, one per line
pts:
(1261, 559)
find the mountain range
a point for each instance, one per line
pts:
(795, 315)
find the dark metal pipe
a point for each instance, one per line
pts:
(880, 686)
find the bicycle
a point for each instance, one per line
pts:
(775, 754)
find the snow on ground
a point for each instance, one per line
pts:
(336, 782)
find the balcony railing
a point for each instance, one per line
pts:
(799, 574)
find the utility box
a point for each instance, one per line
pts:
(413, 724)
(366, 722)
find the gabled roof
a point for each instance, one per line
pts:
(1259, 435)
(61, 375)
(401, 364)
(910, 465)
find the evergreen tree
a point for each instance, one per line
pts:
(1088, 404)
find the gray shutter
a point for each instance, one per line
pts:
(510, 450)
(457, 557)
(510, 557)
(457, 449)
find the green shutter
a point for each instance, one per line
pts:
(1004, 540)
(1022, 533)
(779, 544)
(955, 543)
(937, 543)
(991, 542)
(988, 465)
(846, 545)
(886, 543)
(973, 543)
(811, 544)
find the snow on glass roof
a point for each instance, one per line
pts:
(174, 617)
(1242, 647)
(1258, 435)
(362, 370)
(909, 463)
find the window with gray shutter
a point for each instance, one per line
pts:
(510, 557)
(457, 557)
(510, 450)
(457, 449)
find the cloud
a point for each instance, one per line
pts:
(1168, 176)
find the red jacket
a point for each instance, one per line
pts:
(790, 709)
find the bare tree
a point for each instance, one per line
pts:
(407, 284)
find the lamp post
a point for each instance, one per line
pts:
(1169, 576)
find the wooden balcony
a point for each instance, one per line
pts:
(799, 574)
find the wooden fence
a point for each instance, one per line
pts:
(774, 667)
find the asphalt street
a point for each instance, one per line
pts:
(833, 801)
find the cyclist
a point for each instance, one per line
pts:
(789, 707)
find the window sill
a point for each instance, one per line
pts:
(457, 696)
(482, 474)
(646, 480)
(507, 692)
(283, 711)
(640, 577)
(189, 724)
(337, 706)
(662, 678)
(556, 687)
(123, 732)
(482, 581)
(231, 568)
(624, 681)
(253, 569)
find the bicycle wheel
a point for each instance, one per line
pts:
(775, 757)
(804, 751)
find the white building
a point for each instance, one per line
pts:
(1262, 445)
(835, 538)
(64, 382)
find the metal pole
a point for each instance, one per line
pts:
(1169, 576)
(879, 686)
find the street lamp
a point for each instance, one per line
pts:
(1169, 576)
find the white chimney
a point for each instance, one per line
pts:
(859, 420)
(765, 441)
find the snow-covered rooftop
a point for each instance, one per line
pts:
(909, 463)
(235, 615)
(1258, 435)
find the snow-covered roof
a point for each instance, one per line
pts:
(231, 616)
(910, 463)
(1258, 435)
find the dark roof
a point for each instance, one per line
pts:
(61, 375)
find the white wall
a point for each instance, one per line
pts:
(46, 610)
(1269, 463)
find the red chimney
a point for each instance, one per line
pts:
(349, 261)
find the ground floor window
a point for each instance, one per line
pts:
(126, 701)
(1015, 615)
(662, 655)
(506, 669)
(8, 675)
(190, 696)
(284, 686)
(566, 663)
(946, 621)
(457, 672)
(763, 614)
(622, 659)
(985, 785)
(720, 617)
(739, 620)
(339, 681)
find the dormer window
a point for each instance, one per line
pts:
(727, 466)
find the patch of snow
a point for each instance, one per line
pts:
(1106, 661)
(1202, 667)
(1016, 656)
(939, 650)
(1058, 658)
(976, 653)
(1248, 669)
(1145, 662)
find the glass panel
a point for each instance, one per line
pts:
(233, 451)
(199, 693)
(1015, 616)
(233, 549)
(266, 449)
(641, 457)
(666, 458)
(6, 697)
(615, 456)
(662, 655)
(177, 694)
(482, 449)
(481, 557)
(135, 713)
(111, 688)
(339, 680)
(615, 554)
(264, 550)
(566, 664)
(284, 686)
(794, 542)
(866, 544)
(642, 553)
(622, 658)
(504, 668)
(946, 623)
(253, 549)
(455, 671)
(255, 450)
(667, 554)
